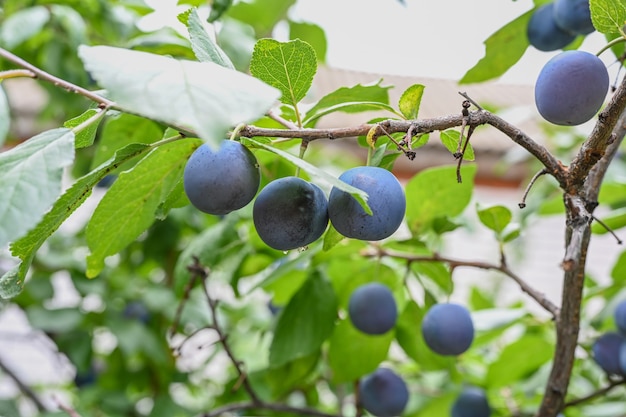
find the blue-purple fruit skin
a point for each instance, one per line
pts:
(619, 316)
(472, 402)
(383, 393)
(543, 33)
(218, 182)
(372, 309)
(573, 16)
(448, 329)
(571, 88)
(386, 199)
(290, 213)
(606, 352)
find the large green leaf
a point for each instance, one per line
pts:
(355, 99)
(519, 360)
(502, 50)
(288, 66)
(608, 16)
(5, 116)
(306, 322)
(435, 193)
(203, 97)
(203, 45)
(30, 180)
(129, 207)
(26, 247)
(23, 25)
(352, 354)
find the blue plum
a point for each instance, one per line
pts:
(372, 309)
(386, 199)
(472, 402)
(573, 16)
(383, 393)
(619, 316)
(137, 310)
(290, 213)
(448, 329)
(221, 181)
(606, 352)
(571, 88)
(543, 33)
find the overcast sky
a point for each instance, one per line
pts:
(434, 38)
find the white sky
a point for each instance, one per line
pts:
(432, 38)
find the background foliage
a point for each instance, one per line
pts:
(139, 336)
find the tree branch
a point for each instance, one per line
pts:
(538, 296)
(599, 393)
(25, 389)
(283, 408)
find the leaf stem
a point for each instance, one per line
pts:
(611, 44)
(16, 73)
(100, 113)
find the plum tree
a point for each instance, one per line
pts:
(619, 316)
(290, 213)
(448, 329)
(471, 402)
(571, 88)
(606, 352)
(383, 393)
(573, 16)
(372, 308)
(543, 33)
(218, 182)
(386, 199)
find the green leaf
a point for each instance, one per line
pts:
(26, 247)
(313, 171)
(10, 283)
(496, 218)
(502, 50)
(288, 66)
(519, 360)
(123, 130)
(450, 139)
(129, 207)
(608, 16)
(312, 34)
(23, 25)
(356, 99)
(85, 137)
(30, 180)
(352, 354)
(54, 320)
(5, 116)
(283, 379)
(434, 193)
(306, 322)
(202, 97)
(263, 15)
(331, 238)
(203, 45)
(410, 100)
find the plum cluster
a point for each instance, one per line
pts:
(383, 393)
(609, 350)
(555, 25)
(448, 329)
(571, 88)
(471, 402)
(289, 212)
(372, 309)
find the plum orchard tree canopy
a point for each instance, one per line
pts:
(205, 280)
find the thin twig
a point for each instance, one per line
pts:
(16, 73)
(599, 393)
(25, 389)
(608, 229)
(534, 179)
(43, 75)
(68, 410)
(467, 97)
(536, 295)
(281, 408)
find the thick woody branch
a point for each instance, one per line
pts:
(594, 148)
